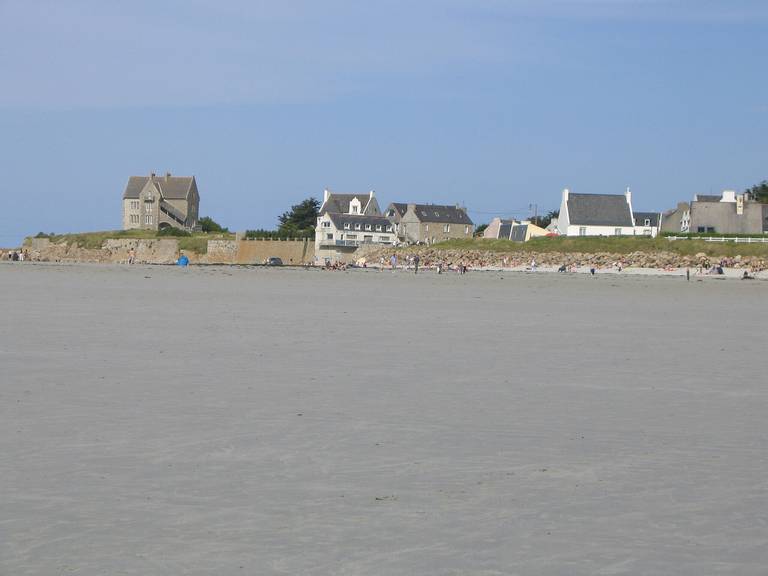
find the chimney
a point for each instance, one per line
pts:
(167, 176)
(151, 175)
(565, 194)
(326, 193)
(628, 194)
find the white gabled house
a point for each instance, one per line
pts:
(604, 215)
(347, 221)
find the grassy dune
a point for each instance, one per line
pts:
(614, 245)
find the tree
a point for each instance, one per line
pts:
(759, 191)
(208, 224)
(544, 221)
(301, 219)
(480, 229)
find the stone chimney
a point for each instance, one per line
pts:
(167, 176)
(628, 194)
(151, 175)
(326, 193)
(565, 194)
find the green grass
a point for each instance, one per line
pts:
(613, 245)
(197, 242)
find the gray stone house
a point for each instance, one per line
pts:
(156, 202)
(729, 213)
(429, 223)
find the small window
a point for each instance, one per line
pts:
(389, 228)
(326, 224)
(355, 209)
(351, 236)
(617, 231)
(466, 230)
(148, 219)
(367, 226)
(147, 207)
(357, 226)
(583, 231)
(701, 229)
(426, 228)
(329, 236)
(447, 228)
(383, 238)
(346, 225)
(647, 222)
(378, 227)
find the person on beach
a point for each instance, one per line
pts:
(688, 274)
(131, 256)
(533, 265)
(592, 270)
(416, 264)
(393, 262)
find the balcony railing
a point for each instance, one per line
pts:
(350, 243)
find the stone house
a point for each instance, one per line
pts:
(678, 219)
(510, 229)
(604, 215)
(348, 221)
(729, 213)
(157, 202)
(429, 223)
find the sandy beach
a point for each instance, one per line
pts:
(225, 420)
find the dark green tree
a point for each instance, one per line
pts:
(544, 221)
(208, 224)
(301, 219)
(480, 229)
(759, 191)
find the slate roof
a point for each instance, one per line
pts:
(340, 219)
(442, 214)
(339, 203)
(172, 187)
(599, 210)
(505, 229)
(401, 207)
(640, 218)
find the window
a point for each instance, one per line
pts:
(367, 226)
(329, 236)
(134, 204)
(134, 218)
(355, 209)
(583, 231)
(148, 219)
(367, 239)
(617, 231)
(446, 228)
(357, 226)
(346, 225)
(647, 232)
(326, 224)
(701, 229)
(147, 207)
(426, 228)
(466, 230)
(389, 228)
(378, 227)
(351, 236)
(647, 222)
(383, 238)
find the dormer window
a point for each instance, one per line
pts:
(346, 226)
(357, 226)
(389, 228)
(367, 226)
(378, 227)
(355, 209)
(647, 221)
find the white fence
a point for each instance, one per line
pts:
(763, 240)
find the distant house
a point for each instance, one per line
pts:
(347, 221)
(729, 213)
(604, 215)
(429, 223)
(678, 219)
(647, 223)
(157, 202)
(510, 229)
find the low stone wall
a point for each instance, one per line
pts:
(289, 251)
(166, 251)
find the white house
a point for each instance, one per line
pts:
(348, 221)
(603, 215)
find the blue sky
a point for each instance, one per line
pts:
(495, 104)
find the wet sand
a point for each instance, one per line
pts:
(158, 420)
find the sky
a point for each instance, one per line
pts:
(494, 104)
